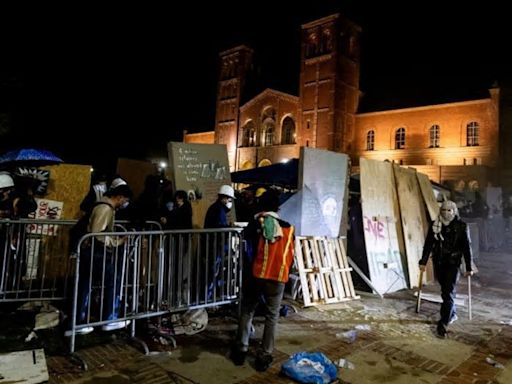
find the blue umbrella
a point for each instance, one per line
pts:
(30, 155)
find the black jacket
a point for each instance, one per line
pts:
(456, 244)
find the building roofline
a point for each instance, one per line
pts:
(242, 47)
(266, 92)
(426, 107)
(332, 17)
(198, 133)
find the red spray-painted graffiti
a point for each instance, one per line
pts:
(374, 228)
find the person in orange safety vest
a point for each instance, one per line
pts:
(273, 242)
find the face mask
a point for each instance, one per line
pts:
(229, 204)
(447, 214)
(124, 205)
(169, 205)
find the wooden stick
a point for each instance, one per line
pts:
(418, 300)
(470, 310)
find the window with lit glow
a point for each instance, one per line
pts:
(268, 135)
(472, 134)
(248, 139)
(370, 140)
(400, 138)
(434, 136)
(288, 131)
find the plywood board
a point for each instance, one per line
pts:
(134, 172)
(382, 226)
(199, 169)
(428, 195)
(414, 220)
(323, 179)
(69, 183)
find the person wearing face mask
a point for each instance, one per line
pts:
(448, 241)
(217, 214)
(103, 262)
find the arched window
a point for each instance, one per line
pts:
(472, 134)
(264, 163)
(268, 135)
(434, 136)
(370, 140)
(288, 131)
(400, 138)
(268, 123)
(248, 132)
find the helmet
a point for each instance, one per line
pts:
(260, 191)
(117, 182)
(227, 190)
(6, 181)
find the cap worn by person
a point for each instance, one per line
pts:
(6, 181)
(260, 191)
(117, 182)
(227, 190)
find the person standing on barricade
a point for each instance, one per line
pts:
(101, 263)
(273, 241)
(448, 240)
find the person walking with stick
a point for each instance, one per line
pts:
(448, 241)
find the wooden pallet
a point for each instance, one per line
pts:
(323, 270)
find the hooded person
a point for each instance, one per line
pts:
(449, 242)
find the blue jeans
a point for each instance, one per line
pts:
(106, 277)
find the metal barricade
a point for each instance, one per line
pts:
(125, 276)
(34, 259)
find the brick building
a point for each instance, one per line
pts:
(450, 142)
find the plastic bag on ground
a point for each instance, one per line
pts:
(306, 367)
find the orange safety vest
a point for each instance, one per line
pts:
(273, 260)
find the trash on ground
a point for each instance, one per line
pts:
(363, 327)
(344, 363)
(348, 336)
(306, 367)
(494, 363)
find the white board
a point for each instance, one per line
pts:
(382, 226)
(200, 170)
(27, 367)
(323, 179)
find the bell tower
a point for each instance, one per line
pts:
(234, 65)
(329, 83)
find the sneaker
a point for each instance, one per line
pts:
(115, 325)
(79, 331)
(263, 362)
(453, 319)
(441, 331)
(238, 357)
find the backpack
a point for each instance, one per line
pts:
(77, 231)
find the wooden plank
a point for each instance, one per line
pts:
(414, 220)
(325, 291)
(382, 226)
(337, 269)
(428, 195)
(345, 262)
(299, 259)
(339, 259)
(310, 265)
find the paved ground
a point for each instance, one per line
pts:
(396, 345)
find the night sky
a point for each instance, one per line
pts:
(78, 81)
